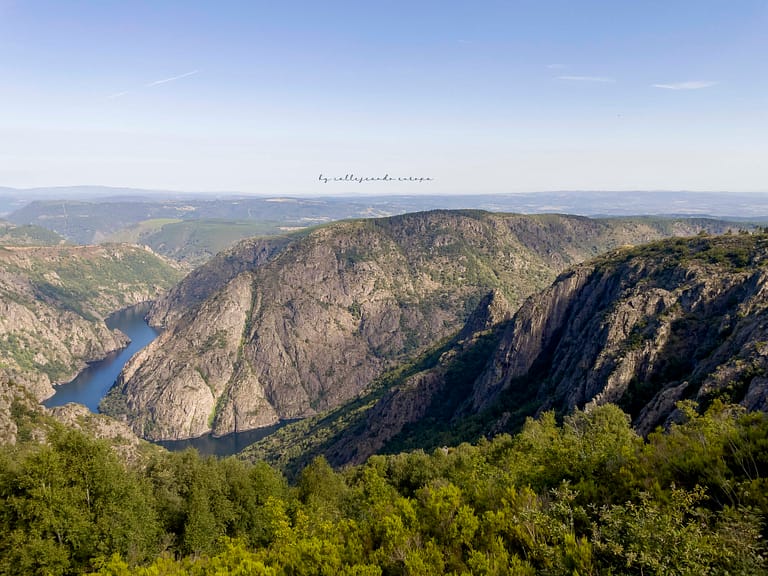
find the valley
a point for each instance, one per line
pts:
(468, 363)
(91, 384)
(642, 328)
(53, 302)
(383, 288)
(304, 326)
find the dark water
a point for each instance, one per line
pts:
(92, 384)
(223, 445)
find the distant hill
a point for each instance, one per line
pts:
(88, 222)
(92, 214)
(266, 332)
(195, 241)
(27, 235)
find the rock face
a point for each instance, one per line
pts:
(643, 329)
(426, 392)
(53, 301)
(288, 331)
(202, 282)
(43, 346)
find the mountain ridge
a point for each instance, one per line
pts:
(312, 324)
(644, 328)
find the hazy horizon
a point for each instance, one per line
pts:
(98, 190)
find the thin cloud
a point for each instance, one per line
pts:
(690, 85)
(172, 78)
(603, 79)
(117, 95)
(556, 66)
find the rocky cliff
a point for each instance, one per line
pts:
(53, 301)
(212, 276)
(303, 327)
(640, 327)
(428, 399)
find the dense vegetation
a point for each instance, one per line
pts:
(92, 281)
(586, 496)
(93, 221)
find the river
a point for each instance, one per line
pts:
(94, 382)
(90, 386)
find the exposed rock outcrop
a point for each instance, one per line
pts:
(53, 301)
(425, 392)
(44, 346)
(643, 329)
(307, 326)
(492, 310)
(212, 276)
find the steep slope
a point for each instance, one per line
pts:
(412, 406)
(643, 328)
(312, 326)
(53, 301)
(212, 276)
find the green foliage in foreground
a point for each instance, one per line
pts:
(585, 497)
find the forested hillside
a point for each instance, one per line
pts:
(194, 242)
(13, 235)
(587, 496)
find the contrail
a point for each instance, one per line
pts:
(691, 85)
(172, 78)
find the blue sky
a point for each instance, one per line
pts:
(481, 96)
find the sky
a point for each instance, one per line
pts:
(466, 97)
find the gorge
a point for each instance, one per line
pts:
(90, 385)
(266, 333)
